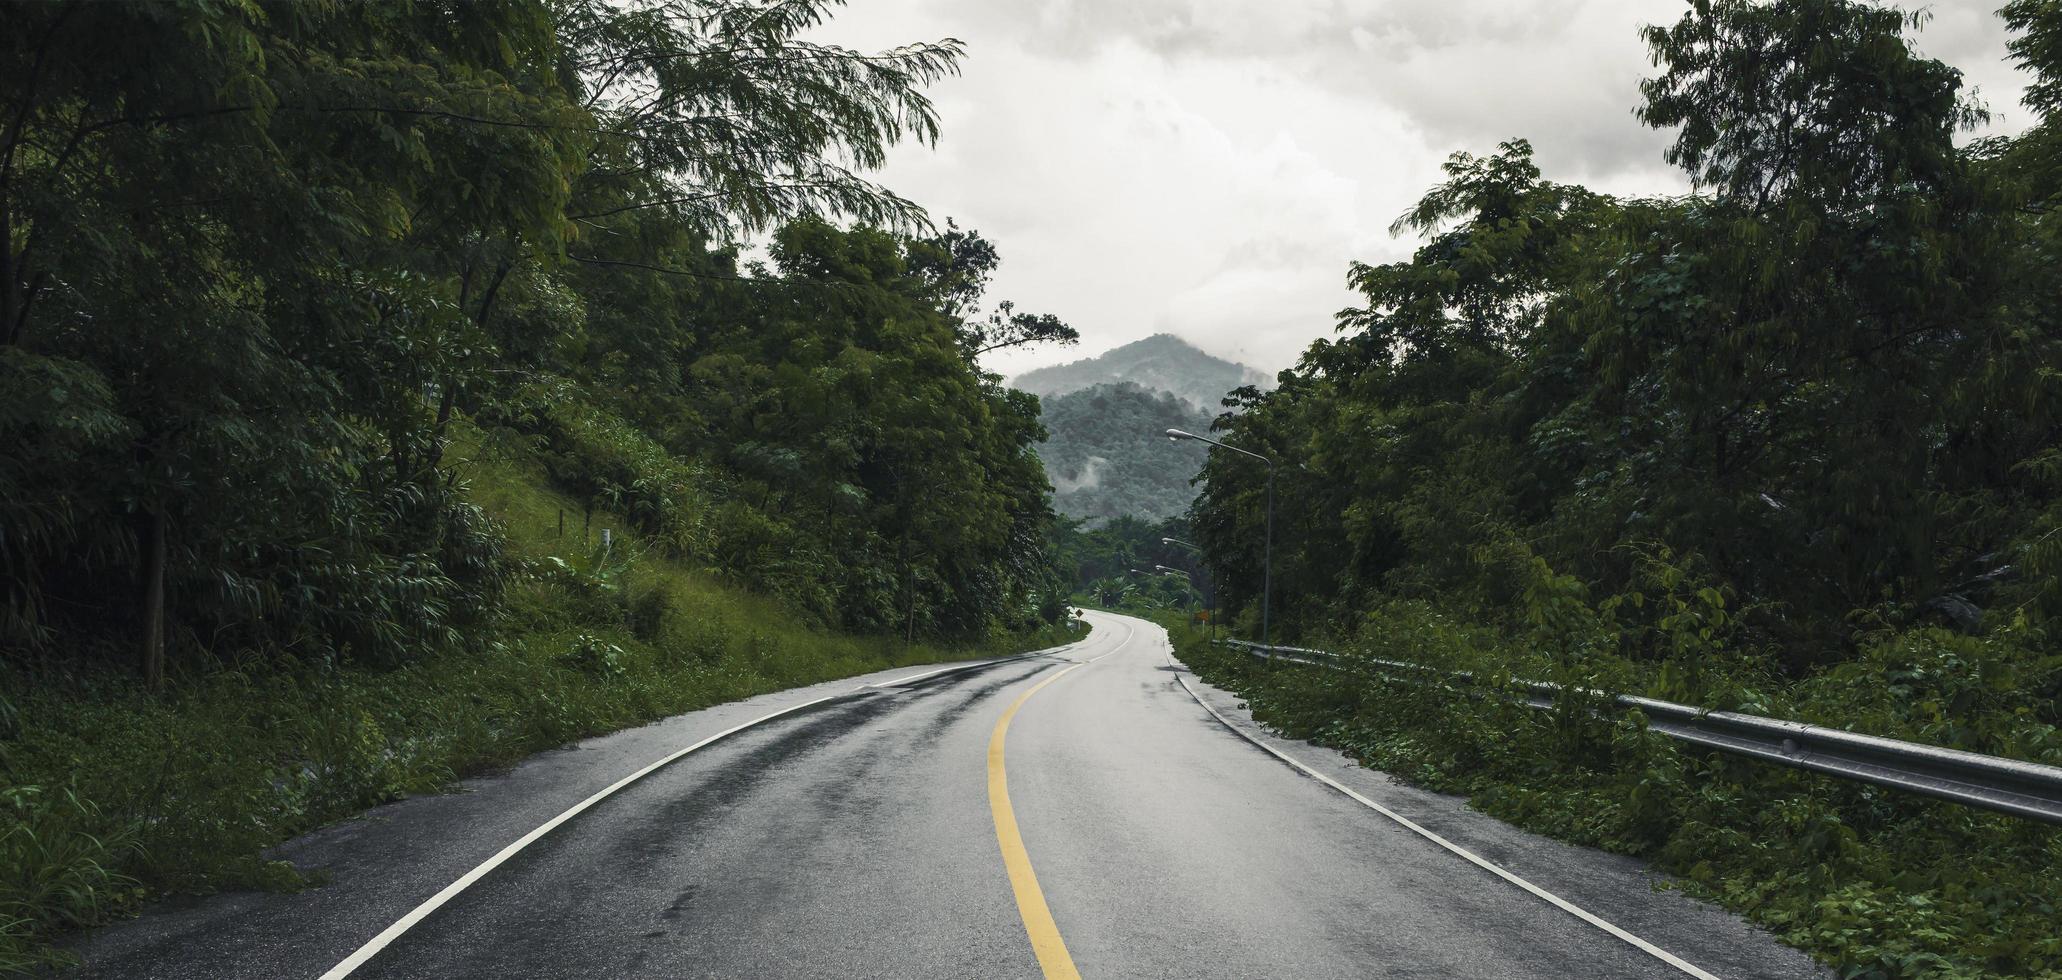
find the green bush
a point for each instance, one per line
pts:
(57, 870)
(605, 460)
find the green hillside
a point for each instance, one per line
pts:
(1107, 456)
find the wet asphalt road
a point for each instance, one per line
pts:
(858, 838)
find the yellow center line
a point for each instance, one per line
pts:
(1038, 923)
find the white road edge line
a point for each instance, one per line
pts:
(372, 948)
(386, 937)
(1557, 901)
(1129, 632)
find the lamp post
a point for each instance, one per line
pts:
(1142, 573)
(1209, 594)
(1193, 591)
(1161, 570)
(1267, 547)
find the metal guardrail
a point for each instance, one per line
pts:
(2023, 789)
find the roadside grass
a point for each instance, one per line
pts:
(112, 796)
(1874, 883)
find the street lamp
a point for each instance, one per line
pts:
(1209, 594)
(1209, 611)
(1164, 571)
(1267, 552)
(1209, 599)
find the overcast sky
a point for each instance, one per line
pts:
(1209, 167)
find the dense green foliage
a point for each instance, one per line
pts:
(1127, 563)
(262, 261)
(260, 256)
(1787, 443)
(1107, 456)
(1824, 383)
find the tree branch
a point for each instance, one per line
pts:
(693, 198)
(28, 98)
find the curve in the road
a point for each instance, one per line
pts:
(1044, 933)
(373, 946)
(1039, 926)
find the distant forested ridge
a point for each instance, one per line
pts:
(1105, 453)
(1161, 362)
(261, 258)
(1108, 458)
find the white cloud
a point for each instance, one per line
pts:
(1209, 168)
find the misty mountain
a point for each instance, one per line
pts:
(1162, 362)
(1107, 456)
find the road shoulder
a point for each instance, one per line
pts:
(1619, 889)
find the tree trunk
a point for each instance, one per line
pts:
(12, 318)
(153, 651)
(908, 586)
(447, 399)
